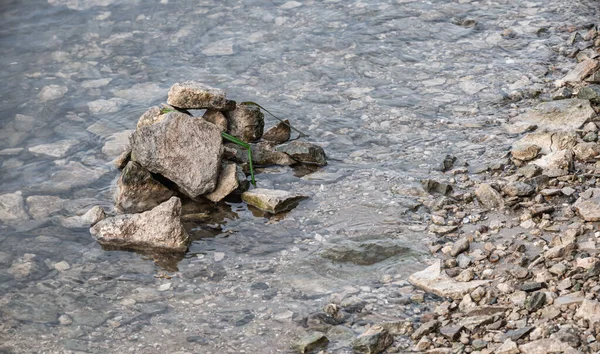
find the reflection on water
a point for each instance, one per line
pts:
(388, 88)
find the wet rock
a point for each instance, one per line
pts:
(217, 118)
(425, 329)
(184, 149)
(27, 267)
(90, 218)
(195, 95)
(278, 134)
(246, 122)
(272, 200)
(304, 152)
(311, 342)
(535, 301)
(232, 178)
(58, 149)
(434, 280)
(548, 345)
(373, 341)
(565, 115)
(488, 196)
(591, 93)
(12, 210)
(159, 228)
(518, 189)
(138, 191)
(42, 206)
(586, 151)
(28, 310)
(121, 161)
(112, 105)
(532, 286)
(459, 247)
(508, 347)
(448, 163)
(579, 72)
(525, 152)
(556, 164)
(262, 155)
(431, 186)
(62, 266)
(365, 253)
(588, 209)
(589, 310)
(52, 92)
(117, 143)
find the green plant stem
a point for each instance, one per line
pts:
(245, 145)
(302, 135)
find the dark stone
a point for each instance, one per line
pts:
(431, 186)
(532, 286)
(425, 329)
(451, 332)
(448, 163)
(516, 334)
(535, 301)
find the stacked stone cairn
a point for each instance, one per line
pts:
(174, 155)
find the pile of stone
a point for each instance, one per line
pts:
(519, 264)
(174, 155)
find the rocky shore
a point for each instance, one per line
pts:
(516, 243)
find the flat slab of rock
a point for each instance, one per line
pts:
(231, 179)
(310, 343)
(195, 95)
(545, 346)
(588, 209)
(434, 280)
(12, 209)
(138, 191)
(546, 141)
(565, 115)
(57, 149)
(184, 149)
(159, 229)
(272, 200)
(305, 152)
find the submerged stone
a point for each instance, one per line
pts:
(272, 200)
(566, 115)
(434, 280)
(373, 341)
(159, 228)
(12, 208)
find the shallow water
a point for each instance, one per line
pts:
(388, 88)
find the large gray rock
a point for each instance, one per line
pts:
(138, 191)
(310, 343)
(90, 218)
(159, 228)
(589, 310)
(488, 196)
(184, 149)
(434, 280)
(57, 149)
(12, 208)
(232, 178)
(566, 115)
(246, 122)
(195, 95)
(272, 200)
(305, 152)
(591, 93)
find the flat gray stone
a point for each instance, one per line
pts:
(57, 149)
(373, 341)
(262, 154)
(579, 72)
(159, 228)
(272, 200)
(565, 115)
(52, 92)
(547, 141)
(589, 310)
(184, 149)
(112, 105)
(434, 280)
(547, 345)
(195, 95)
(42, 206)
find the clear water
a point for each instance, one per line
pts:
(388, 88)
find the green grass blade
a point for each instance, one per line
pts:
(252, 180)
(245, 145)
(274, 116)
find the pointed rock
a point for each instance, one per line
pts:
(232, 178)
(138, 191)
(159, 228)
(565, 115)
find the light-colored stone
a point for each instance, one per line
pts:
(488, 196)
(112, 105)
(588, 209)
(90, 218)
(141, 93)
(57, 149)
(525, 152)
(545, 346)
(184, 149)
(42, 206)
(232, 178)
(138, 191)
(52, 92)
(195, 95)
(272, 200)
(508, 347)
(62, 266)
(12, 208)
(547, 141)
(556, 163)
(434, 280)
(278, 134)
(217, 118)
(586, 151)
(589, 310)
(565, 115)
(246, 122)
(159, 228)
(117, 143)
